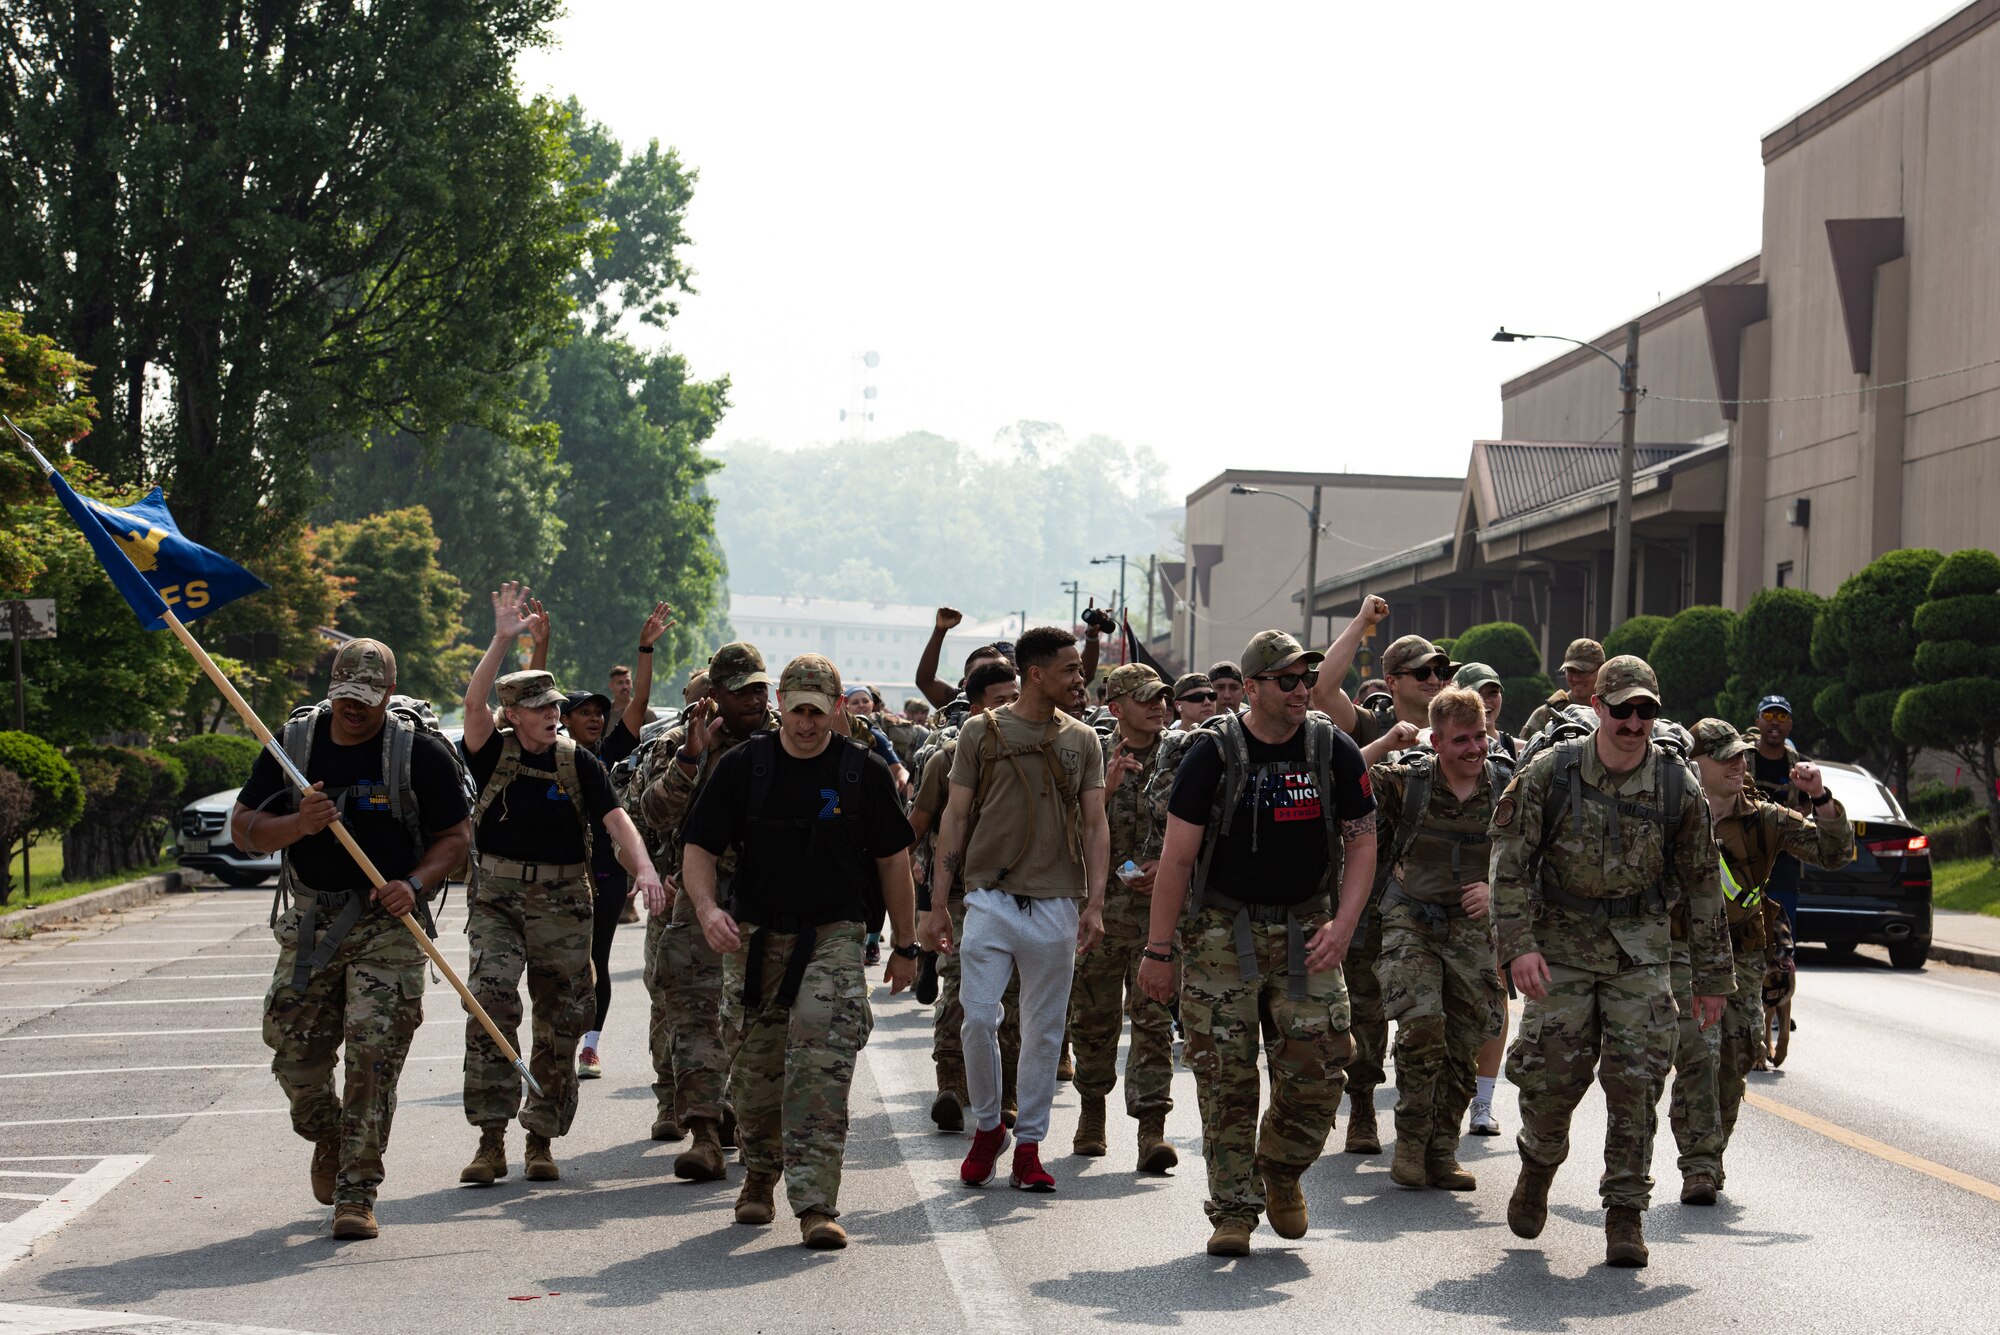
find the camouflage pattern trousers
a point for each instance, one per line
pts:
(1619, 1027)
(1442, 992)
(1693, 1108)
(1364, 995)
(370, 998)
(791, 1067)
(1225, 1017)
(948, 1017)
(684, 980)
(1105, 991)
(1742, 1039)
(541, 928)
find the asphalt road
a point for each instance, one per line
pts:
(135, 1097)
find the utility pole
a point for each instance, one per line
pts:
(1071, 587)
(1621, 534)
(1152, 579)
(1312, 565)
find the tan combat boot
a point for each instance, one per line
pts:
(753, 1203)
(353, 1220)
(1090, 1133)
(820, 1232)
(1155, 1154)
(490, 1162)
(541, 1162)
(1698, 1188)
(1528, 1207)
(1442, 1168)
(1231, 1238)
(1284, 1202)
(1065, 1066)
(325, 1170)
(701, 1161)
(1408, 1169)
(725, 1134)
(1624, 1239)
(666, 1126)
(1362, 1137)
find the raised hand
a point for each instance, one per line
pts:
(658, 624)
(1373, 609)
(538, 623)
(511, 611)
(948, 618)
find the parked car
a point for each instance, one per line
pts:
(204, 843)
(1881, 898)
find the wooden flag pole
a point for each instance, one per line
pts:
(340, 832)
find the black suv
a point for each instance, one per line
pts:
(1883, 897)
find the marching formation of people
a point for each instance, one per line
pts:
(1276, 871)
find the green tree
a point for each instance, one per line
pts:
(54, 787)
(1957, 663)
(398, 594)
(41, 389)
(1635, 637)
(130, 799)
(270, 226)
(1691, 656)
(1864, 641)
(1509, 650)
(1770, 653)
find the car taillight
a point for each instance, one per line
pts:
(1916, 846)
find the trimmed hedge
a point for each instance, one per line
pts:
(1965, 837)
(1969, 616)
(215, 762)
(17, 800)
(57, 787)
(1691, 657)
(1968, 572)
(1936, 801)
(1941, 660)
(131, 799)
(1635, 637)
(1504, 646)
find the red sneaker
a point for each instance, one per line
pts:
(1029, 1175)
(980, 1160)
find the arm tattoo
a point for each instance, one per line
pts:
(950, 863)
(1355, 831)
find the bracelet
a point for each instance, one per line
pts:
(1167, 958)
(645, 648)
(1823, 798)
(692, 762)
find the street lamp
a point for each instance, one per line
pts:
(1119, 611)
(1621, 528)
(1312, 545)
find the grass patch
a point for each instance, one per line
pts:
(1971, 885)
(49, 887)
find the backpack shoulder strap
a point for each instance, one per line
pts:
(399, 740)
(505, 771)
(761, 764)
(1416, 802)
(299, 731)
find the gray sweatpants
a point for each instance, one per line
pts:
(1040, 941)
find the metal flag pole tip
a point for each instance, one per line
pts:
(521, 1065)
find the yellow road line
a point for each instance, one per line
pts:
(1869, 1145)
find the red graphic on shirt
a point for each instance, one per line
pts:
(1294, 796)
(1367, 785)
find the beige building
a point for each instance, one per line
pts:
(1831, 398)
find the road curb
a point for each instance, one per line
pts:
(108, 900)
(1965, 957)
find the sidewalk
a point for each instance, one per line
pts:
(1971, 940)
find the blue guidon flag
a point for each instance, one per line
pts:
(142, 549)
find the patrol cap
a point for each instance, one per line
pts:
(737, 665)
(1409, 652)
(1225, 671)
(1474, 675)
(363, 670)
(1583, 656)
(697, 681)
(1271, 650)
(1134, 679)
(1716, 739)
(576, 699)
(913, 702)
(1627, 677)
(1191, 681)
(808, 680)
(528, 690)
(1774, 702)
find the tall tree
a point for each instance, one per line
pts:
(398, 594)
(1958, 667)
(1864, 641)
(275, 225)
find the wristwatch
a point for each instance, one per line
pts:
(909, 952)
(1167, 958)
(415, 884)
(1825, 796)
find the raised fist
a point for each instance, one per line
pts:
(949, 617)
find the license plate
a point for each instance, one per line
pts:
(194, 845)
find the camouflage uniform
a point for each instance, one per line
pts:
(1582, 656)
(1751, 839)
(1106, 986)
(542, 928)
(1436, 967)
(1596, 909)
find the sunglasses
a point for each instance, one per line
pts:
(1289, 681)
(1200, 697)
(1645, 709)
(1424, 673)
(1773, 715)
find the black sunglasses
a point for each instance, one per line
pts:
(1199, 697)
(1423, 673)
(1289, 681)
(1645, 709)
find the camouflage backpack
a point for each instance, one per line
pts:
(1394, 841)
(508, 768)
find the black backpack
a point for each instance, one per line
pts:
(761, 749)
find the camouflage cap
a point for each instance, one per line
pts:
(528, 690)
(1134, 679)
(1716, 739)
(1583, 656)
(1625, 677)
(696, 682)
(1273, 649)
(1409, 652)
(1191, 681)
(916, 705)
(737, 665)
(808, 680)
(1474, 675)
(363, 670)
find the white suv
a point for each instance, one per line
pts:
(204, 843)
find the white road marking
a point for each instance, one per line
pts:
(122, 1033)
(131, 978)
(152, 1001)
(136, 959)
(133, 1070)
(22, 1195)
(19, 1236)
(21, 1319)
(147, 1117)
(26, 1172)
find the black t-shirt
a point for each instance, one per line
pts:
(1774, 779)
(534, 820)
(318, 859)
(1276, 849)
(619, 742)
(818, 869)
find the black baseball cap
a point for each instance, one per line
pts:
(575, 698)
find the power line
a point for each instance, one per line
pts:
(1548, 492)
(1830, 394)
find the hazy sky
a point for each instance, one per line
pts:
(1261, 235)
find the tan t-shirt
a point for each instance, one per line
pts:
(1033, 833)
